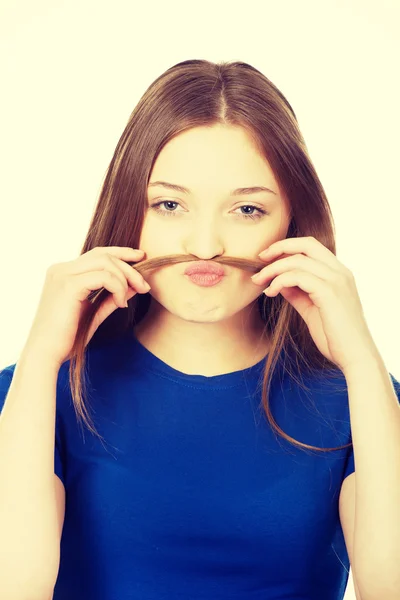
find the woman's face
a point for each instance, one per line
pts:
(210, 219)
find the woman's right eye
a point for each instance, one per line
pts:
(156, 207)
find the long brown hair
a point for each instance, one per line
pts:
(190, 94)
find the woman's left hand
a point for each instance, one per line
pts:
(324, 293)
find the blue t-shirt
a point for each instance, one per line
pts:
(194, 496)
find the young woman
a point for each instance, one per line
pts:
(219, 461)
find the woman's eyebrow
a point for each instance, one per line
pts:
(244, 191)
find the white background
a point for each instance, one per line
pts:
(72, 72)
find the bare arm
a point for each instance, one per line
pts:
(29, 539)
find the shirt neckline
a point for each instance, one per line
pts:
(147, 360)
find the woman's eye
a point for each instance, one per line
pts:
(261, 212)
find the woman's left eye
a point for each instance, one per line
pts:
(261, 211)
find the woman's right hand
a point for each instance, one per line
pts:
(65, 292)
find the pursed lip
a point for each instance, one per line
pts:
(206, 267)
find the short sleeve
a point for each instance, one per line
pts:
(6, 375)
(350, 466)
